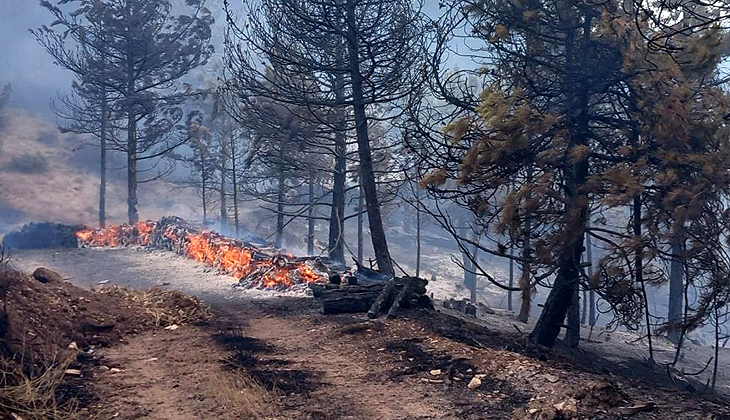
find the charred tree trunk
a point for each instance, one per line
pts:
(572, 334)
(525, 281)
(418, 235)
(279, 210)
(234, 180)
(102, 158)
(204, 189)
(591, 292)
(639, 269)
(336, 243)
(561, 295)
(223, 203)
(676, 290)
(132, 211)
(310, 215)
(511, 281)
(360, 236)
(131, 93)
(367, 176)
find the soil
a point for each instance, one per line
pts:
(269, 356)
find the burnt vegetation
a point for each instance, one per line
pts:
(585, 145)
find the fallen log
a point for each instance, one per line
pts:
(382, 297)
(374, 297)
(342, 302)
(402, 295)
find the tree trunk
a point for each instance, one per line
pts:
(131, 96)
(639, 270)
(470, 277)
(102, 159)
(572, 334)
(280, 210)
(234, 180)
(310, 215)
(591, 293)
(561, 295)
(418, 235)
(367, 176)
(132, 212)
(360, 236)
(511, 281)
(336, 243)
(204, 192)
(224, 205)
(676, 290)
(525, 294)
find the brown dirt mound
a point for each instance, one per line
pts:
(40, 320)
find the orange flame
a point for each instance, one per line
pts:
(226, 254)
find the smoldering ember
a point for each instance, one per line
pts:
(364, 209)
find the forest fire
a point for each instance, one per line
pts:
(254, 267)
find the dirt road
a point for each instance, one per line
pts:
(274, 357)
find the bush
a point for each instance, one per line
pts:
(28, 163)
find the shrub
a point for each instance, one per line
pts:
(28, 163)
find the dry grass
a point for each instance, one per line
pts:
(242, 395)
(26, 398)
(166, 307)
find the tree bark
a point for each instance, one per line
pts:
(132, 211)
(224, 204)
(310, 215)
(591, 292)
(676, 290)
(561, 295)
(639, 270)
(511, 281)
(572, 334)
(131, 96)
(337, 216)
(360, 235)
(279, 210)
(102, 159)
(234, 180)
(418, 235)
(367, 176)
(204, 185)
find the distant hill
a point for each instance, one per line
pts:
(46, 175)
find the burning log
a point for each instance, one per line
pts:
(255, 267)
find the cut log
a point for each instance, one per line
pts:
(342, 302)
(382, 297)
(402, 295)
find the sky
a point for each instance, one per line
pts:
(27, 66)
(23, 63)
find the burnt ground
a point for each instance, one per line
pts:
(277, 357)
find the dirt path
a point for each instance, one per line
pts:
(338, 377)
(274, 357)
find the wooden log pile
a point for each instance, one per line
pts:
(255, 267)
(372, 297)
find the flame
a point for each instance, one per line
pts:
(226, 254)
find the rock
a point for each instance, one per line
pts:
(45, 275)
(551, 378)
(172, 327)
(475, 383)
(73, 346)
(568, 409)
(115, 370)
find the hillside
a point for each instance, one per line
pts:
(47, 175)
